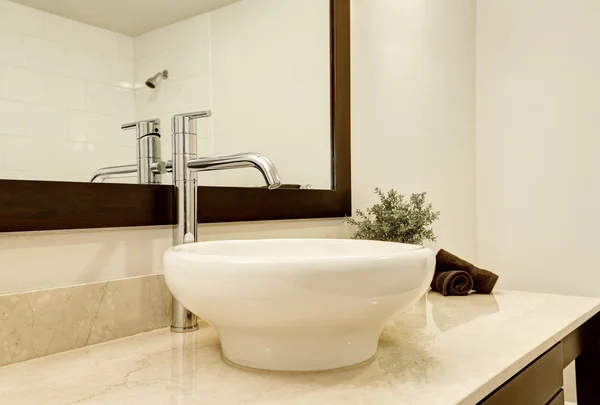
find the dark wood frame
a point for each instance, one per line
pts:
(49, 205)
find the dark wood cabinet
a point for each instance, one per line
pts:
(541, 382)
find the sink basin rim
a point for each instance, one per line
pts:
(369, 249)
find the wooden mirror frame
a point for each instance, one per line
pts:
(51, 205)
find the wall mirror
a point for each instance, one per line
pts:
(274, 73)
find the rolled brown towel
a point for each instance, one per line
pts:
(453, 282)
(484, 280)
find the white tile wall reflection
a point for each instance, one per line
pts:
(65, 88)
(229, 61)
(188, 86)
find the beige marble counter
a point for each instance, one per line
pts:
(444, 351)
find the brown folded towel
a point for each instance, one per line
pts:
(484, 280)
(453, 282)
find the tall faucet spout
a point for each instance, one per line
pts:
(239, 161)
(184, 166)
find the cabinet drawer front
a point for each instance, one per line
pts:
(536, 384)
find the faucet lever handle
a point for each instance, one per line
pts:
(185, 123)
(144, 127)
(194, 115)
(129, 125)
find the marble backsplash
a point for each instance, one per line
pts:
(43, 322)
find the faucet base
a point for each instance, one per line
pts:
(184, 329)
(183, 320)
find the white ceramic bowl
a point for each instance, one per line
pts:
(298, 304)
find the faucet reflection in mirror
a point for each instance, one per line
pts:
(185, 164)
(149, 167)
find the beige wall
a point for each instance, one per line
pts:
(413, 114)
(538, 109)
(413, 108)
(35, 260)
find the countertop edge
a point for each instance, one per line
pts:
(506, 374)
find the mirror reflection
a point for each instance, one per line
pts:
(76, 78)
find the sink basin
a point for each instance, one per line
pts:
(298, 304)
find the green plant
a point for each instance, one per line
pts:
(396, 219)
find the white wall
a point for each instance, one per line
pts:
(65, 87)
(270, 87)
(413, 108)
(538, 103)
(538, 109)
(413, 115)
(35, 260)
(269, 93)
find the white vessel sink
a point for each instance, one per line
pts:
(298, 304)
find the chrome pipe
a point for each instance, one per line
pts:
(239, 161)
(149, 166)
(114, 172)
(184, 141)
(148, 149)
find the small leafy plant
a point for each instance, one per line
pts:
(396, 219)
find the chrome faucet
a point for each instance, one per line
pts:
(149, 167)
(185, 164)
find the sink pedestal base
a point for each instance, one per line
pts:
(300, 350)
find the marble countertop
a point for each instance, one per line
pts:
(443, 351)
